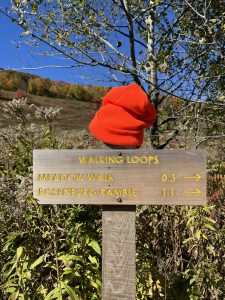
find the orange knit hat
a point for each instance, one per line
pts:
(125, 111)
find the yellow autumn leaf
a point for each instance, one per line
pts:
(198, 234)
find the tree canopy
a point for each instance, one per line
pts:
(181, 41)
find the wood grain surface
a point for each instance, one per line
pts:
(119, 253)
(119, 177)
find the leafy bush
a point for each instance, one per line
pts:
(53, 252)
(48, 252)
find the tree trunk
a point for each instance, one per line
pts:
(152, 70)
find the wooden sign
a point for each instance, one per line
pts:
(119, 177)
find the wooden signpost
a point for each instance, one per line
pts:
(119, 180)
(119, 177)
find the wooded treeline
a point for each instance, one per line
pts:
(36, 85)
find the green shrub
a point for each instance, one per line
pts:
(53, 252)
(48, 252)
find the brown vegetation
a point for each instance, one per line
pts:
(75, 115)
(20, 94)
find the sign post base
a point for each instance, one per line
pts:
(119, 252)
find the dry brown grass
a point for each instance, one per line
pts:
(75, 115)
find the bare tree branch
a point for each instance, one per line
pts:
(190, 5)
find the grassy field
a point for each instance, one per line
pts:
(75, 115)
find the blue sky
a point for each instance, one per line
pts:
(12, 57)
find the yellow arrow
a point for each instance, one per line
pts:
(196, 177)
(196, 192)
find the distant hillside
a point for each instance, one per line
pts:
(36, 85)
(75, 115)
